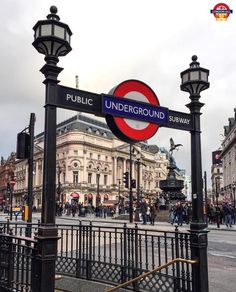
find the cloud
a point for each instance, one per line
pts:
(117, 40)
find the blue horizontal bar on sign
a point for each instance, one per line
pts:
(127, 108)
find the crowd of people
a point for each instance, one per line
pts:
(224, 213)
(148, 212)
(179, 213)
(82, 210)
(221, 214)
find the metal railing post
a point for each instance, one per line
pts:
(124, 268)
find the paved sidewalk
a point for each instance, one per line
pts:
(158, 225)
(69, 284)
(163, 226)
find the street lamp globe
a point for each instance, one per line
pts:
(52, 37)
(194, 79)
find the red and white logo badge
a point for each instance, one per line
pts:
(221, 11)
(130, 130)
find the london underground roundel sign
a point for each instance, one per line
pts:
(133, 130)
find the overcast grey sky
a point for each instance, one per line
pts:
(116, 40)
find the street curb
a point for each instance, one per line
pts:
(158, 224)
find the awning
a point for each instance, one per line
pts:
(74, 195)
(90, 196)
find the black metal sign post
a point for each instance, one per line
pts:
(194, 80)
(90, 102)
(180, 121)
(79, 100)
(30, 174)
(53, 44)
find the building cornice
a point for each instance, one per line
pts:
(228, 146)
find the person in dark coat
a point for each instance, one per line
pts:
(179, 213)
(228, 212)
(73, 209)
(143, 209)
(153, 213)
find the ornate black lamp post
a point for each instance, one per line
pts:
(59, 189)
(131, 210)
(98, 188)
(217, 191)
(52, 39)
(10, 187)
(138, 157)
(194, 81)
(119, 198)
(30, 174)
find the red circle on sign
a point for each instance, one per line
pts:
(130, 132)
(221, 6)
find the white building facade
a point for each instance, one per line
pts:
(228, 156)
(91, 162)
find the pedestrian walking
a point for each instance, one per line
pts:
(153, 213)
(228, 211)
(171, 214)
(73, 209)
(143, 209)
(179, 213)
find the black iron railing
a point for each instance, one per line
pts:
(143, 276)
(16, 262)
(115, 254)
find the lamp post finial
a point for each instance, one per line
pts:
(53, 9)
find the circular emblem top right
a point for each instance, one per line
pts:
(221, 11)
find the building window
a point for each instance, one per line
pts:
(89, 178)
(75, 152)
(157, 184)
(99, 156)
(105, 180)
(75, 177)
(90, 155)
(64, 177)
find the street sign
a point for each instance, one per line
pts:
(180, 120)
(131, 109)
(123, 107)
(133, 130)
(78, 100)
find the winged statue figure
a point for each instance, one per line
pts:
(173, 146)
